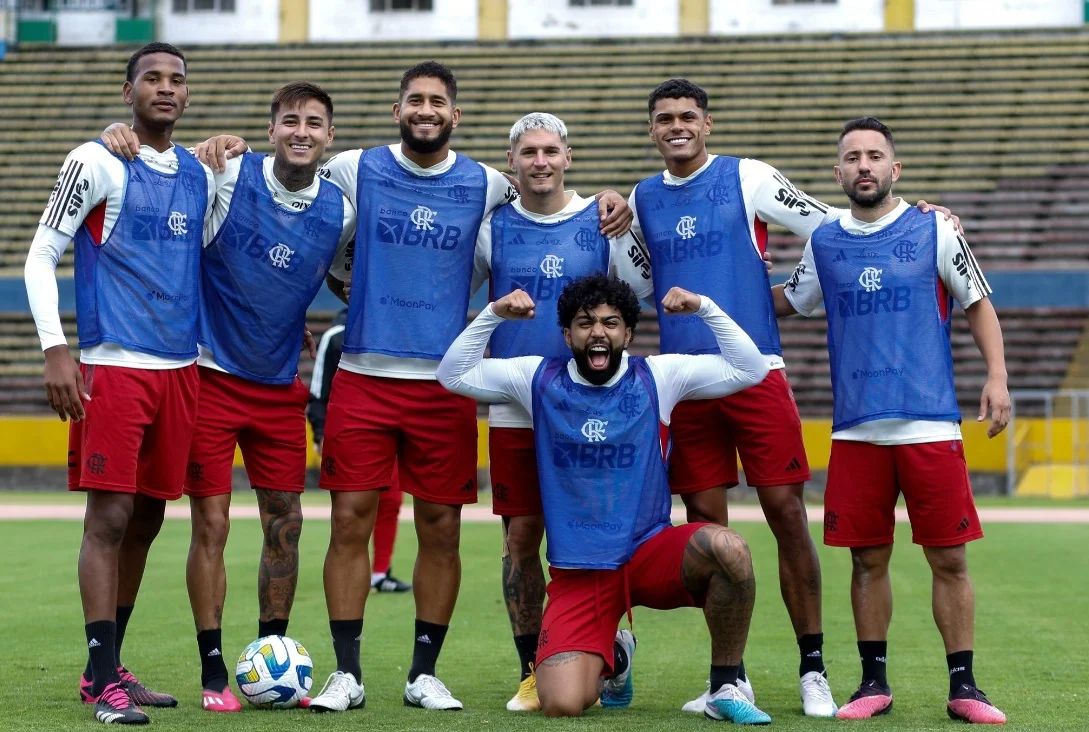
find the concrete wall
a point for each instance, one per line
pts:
(556, 19)
(351, 20)
(760, 16)
(254, 21)
(86, 28)
(951, 14)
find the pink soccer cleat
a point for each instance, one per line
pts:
(871, 700)
(220, 701)
(970, 705)
(142, 695)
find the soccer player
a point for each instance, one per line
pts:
(389, 502)
(604, 489)
(277, 230)
(704, 221)
(887, 276)
(132, 399)
(538, 243)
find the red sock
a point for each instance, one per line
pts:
(385, 528)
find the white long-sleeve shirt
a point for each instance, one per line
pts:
(628, 260)
(343, 171)
(90, 187)
(677, 377)
(299, 200)
(769, 198)
(962, 278)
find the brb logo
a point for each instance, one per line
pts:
(280, 256)
(594, 430)
(686, 227)
(552, 266)
(416, 229)
(159, 228)
(870, 279)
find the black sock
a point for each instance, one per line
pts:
(741, 671)
(872, 654)
(123, 615)
(276, 626)
(213, 672)
(102, 649)
(620, 660)
(960, 670)
(425, 652)
(346, 637)
(722, 675)
(810, 647)
(527, 651)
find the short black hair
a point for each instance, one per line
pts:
(586, 293)
(431, 70)
(298, 92)
(868, 123)
(677, 89)
(147, 50)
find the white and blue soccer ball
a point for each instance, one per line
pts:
(274, 672)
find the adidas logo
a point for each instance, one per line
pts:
(213, 653)
(813, 654)
(108, 717)
(794, 465)
(93, 643)
(964, 524)
(841, 257)
(425, 638)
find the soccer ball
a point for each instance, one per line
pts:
(274, 672)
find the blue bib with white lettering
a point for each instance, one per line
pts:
(138, 288)
(604, 485)
(261, 272)
(888, 322)
(413, 263)
(541, 259)
(699, 239)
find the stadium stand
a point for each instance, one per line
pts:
(990, 124)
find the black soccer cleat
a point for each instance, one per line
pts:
(115, 707)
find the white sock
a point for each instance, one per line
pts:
(376, 576)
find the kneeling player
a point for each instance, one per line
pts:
(604, 489)
(887, 276)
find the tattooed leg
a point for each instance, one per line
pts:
(717, 566)
(523, 575)
(281, 520)
(569, 683)
(205, 575)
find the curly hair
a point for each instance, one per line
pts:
(586, 293)
(677, 89)
(431, 70)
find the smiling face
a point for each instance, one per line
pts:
(539, 159)
(679, 129)
(598, 338)
(300, 133)
(158, 93)
(426, 115)
(867, 168)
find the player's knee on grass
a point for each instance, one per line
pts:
(569, 683)
(869, 560)
(784, 508)
(523, 536)
(717, 549)
(948, 561)
(107, 517)
(352, 517)
(146, 521)
(438, 526)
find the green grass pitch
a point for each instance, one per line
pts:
(1032, 637)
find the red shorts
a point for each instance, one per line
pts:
(585, 605)
(864, 480)
(760, 424)
(268, 421)
(373, 422)
(135, 437)
(512, 456)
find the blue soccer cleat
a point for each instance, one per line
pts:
(729, 704)
(618, 691)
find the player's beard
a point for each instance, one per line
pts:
(424, 147)
(880, 193)
(597, 378)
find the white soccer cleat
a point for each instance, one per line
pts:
(427, 692)
(341, 693)
(817, 698)
(699, 704)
